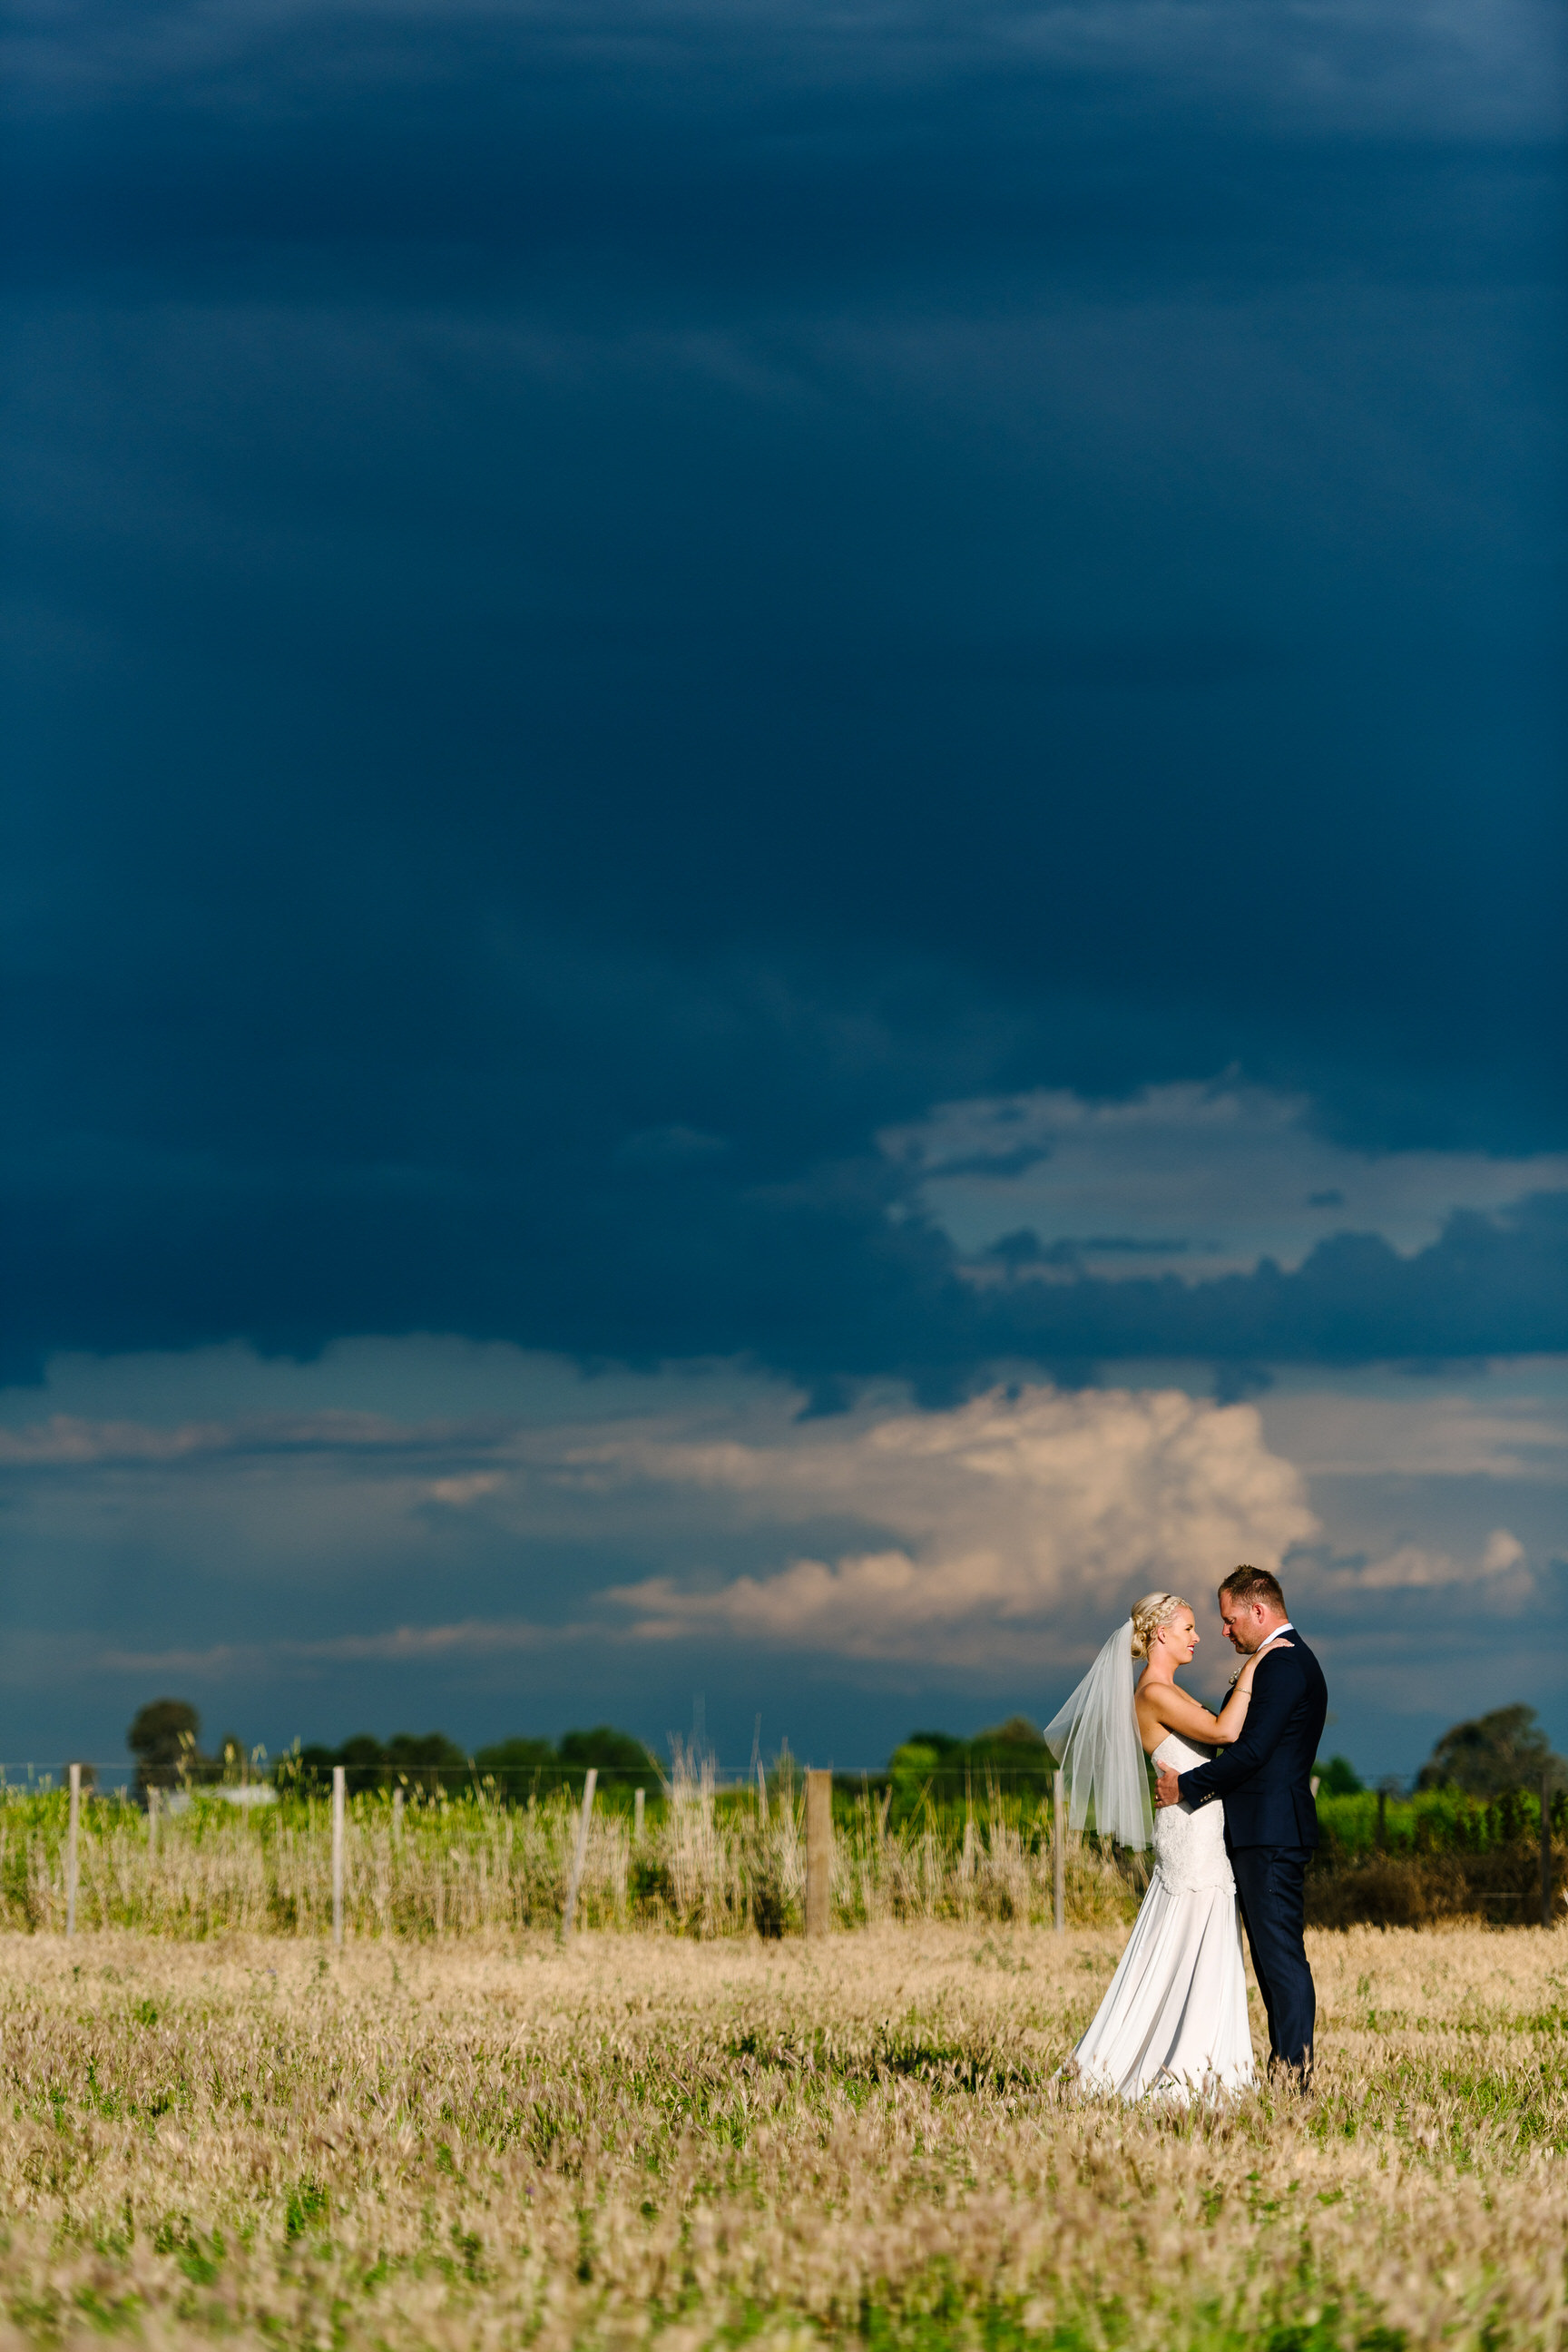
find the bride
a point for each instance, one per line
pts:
(1173, 2020)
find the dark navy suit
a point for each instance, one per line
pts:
(1270, 1829)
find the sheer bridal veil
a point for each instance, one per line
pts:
(1094, 1740)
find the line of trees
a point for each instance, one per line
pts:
(165, 1738)
(1014, 1752)
(1489, 1757)
(1493, 1756)
(430, 1760)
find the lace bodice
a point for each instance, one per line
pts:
(1189, 1842)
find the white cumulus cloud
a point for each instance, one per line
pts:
(1020, 1523)
(1501, 1570)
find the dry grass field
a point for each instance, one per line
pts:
(857, 2141)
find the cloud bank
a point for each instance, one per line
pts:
(1026, 1515)
(1005, 1528)
(500, 1543)
(1190, 1179)
(607, 604)
(840, 1275)
(608, 607)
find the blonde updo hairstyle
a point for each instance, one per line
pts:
(1155, 1608)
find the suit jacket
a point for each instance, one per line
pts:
(1266, 1776)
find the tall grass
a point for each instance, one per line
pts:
(708, 1862)
(859, 2143)
(706, 1865)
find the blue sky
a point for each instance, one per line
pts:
(819, 738)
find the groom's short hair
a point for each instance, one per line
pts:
(1249, 1584)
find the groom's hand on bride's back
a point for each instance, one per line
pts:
(1167, 1786)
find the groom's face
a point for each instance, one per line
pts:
(1243, 1623)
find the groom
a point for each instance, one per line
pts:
(1271, 1818)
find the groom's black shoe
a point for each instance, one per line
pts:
(1291, 2074)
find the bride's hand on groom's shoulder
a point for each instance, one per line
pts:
(1264, 1650)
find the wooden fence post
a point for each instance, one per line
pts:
(397, 1812)
(639, 1807)
(1060, 1850)
(818, 1852)
(153, 1798)
(761, 1791)
(339, 1784)
(569, 1916)
(75, 1824)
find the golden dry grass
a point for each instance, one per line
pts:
(860, 2140)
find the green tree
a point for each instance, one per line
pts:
(1505, 1750)
(512, 1763)
(428, 1759)
(614, 1752)
(307, 1765)
(924, 1753)
(1016, 1740)
(1339, 1777)
(364, 1759)
(933, 1768)
(943, 1743)
(1013, 1754)
(918, 1759)
(163, 1737)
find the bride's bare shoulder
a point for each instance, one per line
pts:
(1152, 1725)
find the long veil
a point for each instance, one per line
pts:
(1094, 1740)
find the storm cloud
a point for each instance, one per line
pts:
(632, 573)
(864, 697)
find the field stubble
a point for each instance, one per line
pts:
(508, 2141)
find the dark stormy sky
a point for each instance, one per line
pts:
(785, 861)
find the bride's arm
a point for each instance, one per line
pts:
(1170, 1709)
(1174, 1710)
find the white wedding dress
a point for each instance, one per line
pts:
(1173, 2022)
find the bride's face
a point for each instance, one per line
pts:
(1180, 1637)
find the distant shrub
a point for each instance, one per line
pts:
(1388, 1890)
(1444, 1855)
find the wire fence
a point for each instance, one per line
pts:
(956, 1792)
(696, 1851)
(695, 1858)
